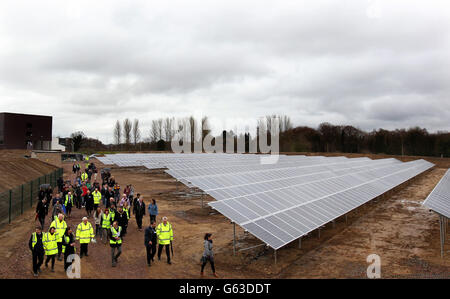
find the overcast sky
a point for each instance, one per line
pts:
(370, 64)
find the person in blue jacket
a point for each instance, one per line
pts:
(153, 210)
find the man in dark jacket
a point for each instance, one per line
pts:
(150, 242)
(37, 249)
(108, 195)
(41, 211)
(122, 218)
(139, 210)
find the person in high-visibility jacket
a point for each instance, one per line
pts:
(164, 232)
(84, 177)
(60, 226)
(85, 232)
(50, 241)
(68, 203)
(115, 241)
(37, 249)
(68, 246)
(106, 224)
(97, 198)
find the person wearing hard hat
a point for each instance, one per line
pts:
(85, 233)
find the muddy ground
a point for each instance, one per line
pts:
(397, 228)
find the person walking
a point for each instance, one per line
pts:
(60, 226)
(85, 233)
(57, 209)
(106, 224)
(153, 210)
(41, 212)
(50, 243)
(37, 250)
(139, 212)
(98, 214)
(89, 202)
(208, 254)
(122, 219)
(78, 195)
(165, 238)
(68, 246)
(150, 240)
(135, 203)
(68, 203)
(115, 241)
(97, 198)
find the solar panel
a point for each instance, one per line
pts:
(278, 217)
(439, 199)
(280, 202)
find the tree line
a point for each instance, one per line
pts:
(328, 138)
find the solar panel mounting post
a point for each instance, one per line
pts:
(300, 242)
(234, 238)
(442, 233)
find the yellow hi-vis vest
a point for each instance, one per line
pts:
(164, 233)
(85, 233)
(97, 197)
(115, 234)
(67, 239)
(34, 240)
(128, 213)
(67, 200)
(50, 243)
(60, 228)
(84, 176)
(106, 221)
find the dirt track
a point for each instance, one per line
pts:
(398, 229)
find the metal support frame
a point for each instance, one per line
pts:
(275, 255)
(252, 247)
(318, 232)
(442, 231)
(300, 242)
(346, 219)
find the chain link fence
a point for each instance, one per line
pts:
(16, 201)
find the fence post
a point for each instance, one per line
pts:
(10, 201)
(21, 201)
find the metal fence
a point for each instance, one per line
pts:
(16, 201)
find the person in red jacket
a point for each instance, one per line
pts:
(83, 195)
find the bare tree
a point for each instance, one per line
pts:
(136, 132)
(160, 128)
(117, 133)
(168, 128)
(127, 126)
(154, 131)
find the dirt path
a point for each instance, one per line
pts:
(405, 235)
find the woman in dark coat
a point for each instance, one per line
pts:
(68, 243)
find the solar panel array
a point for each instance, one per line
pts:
(439, 199)
(281, 202)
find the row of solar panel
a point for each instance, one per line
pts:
(281, 216)
(439, 199)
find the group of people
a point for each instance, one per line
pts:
(111, 215)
